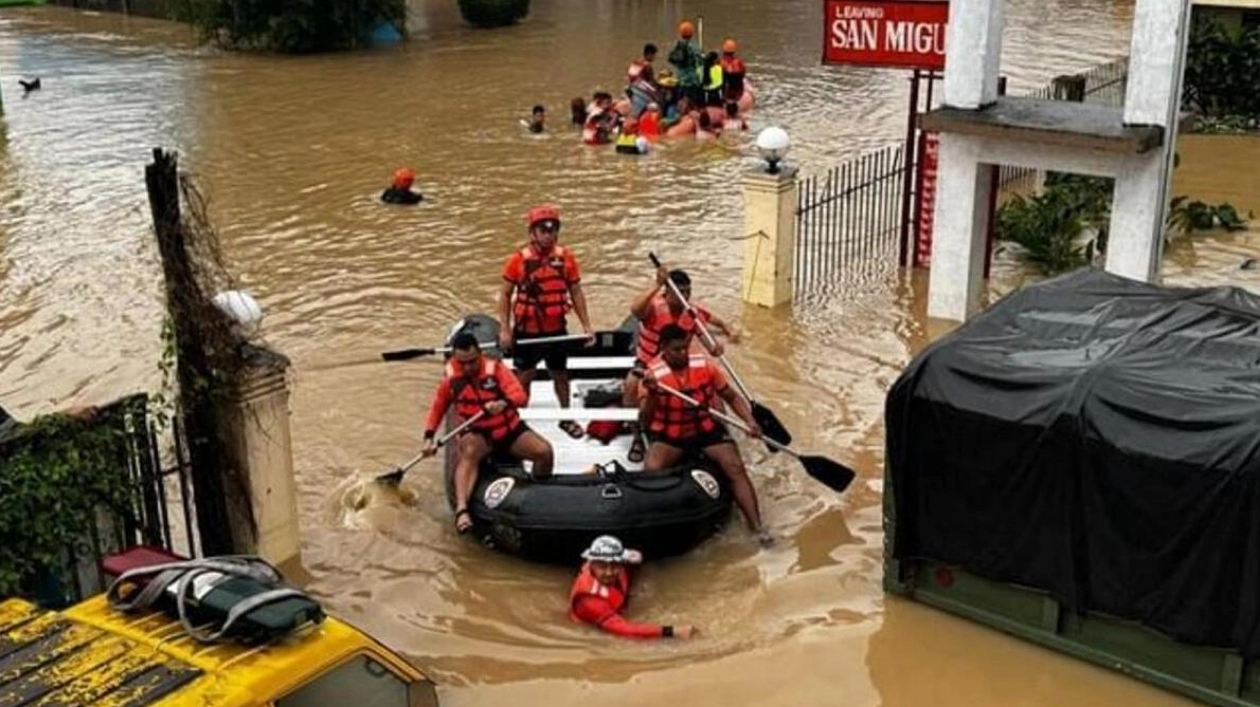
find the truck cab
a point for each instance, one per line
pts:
(94, 654)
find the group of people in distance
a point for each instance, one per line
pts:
(703, 94)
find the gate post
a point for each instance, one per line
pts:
(769, 236)
(256, 422)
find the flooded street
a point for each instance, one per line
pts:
(293, 152)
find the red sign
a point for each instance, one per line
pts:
(908, 34)
(929, 149)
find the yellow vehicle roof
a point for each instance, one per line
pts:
(91, 654)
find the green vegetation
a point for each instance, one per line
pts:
(1222, 80)
(493, 13)
(291, 26)
(1063, 227)
(55, 476)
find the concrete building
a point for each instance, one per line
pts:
(979, 129)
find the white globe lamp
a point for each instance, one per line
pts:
(240, 307)
(773, 144)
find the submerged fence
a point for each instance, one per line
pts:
(849, 216)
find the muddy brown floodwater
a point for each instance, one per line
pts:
(293, 152)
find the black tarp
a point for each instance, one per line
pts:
(1097, 438)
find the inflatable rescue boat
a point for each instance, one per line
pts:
(594, 490)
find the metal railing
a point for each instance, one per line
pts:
(848, 220)
(1104, 85)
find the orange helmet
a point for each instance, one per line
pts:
(545, 212)
(686, 30)
(729, 46)
(403, 178)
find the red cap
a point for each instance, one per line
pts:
(403, 178)
(545, 212)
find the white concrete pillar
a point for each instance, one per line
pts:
(973, 53)
(1156, 58)
(257, 429)
(769, 237)
(962, 196)
(1152, 97)
(1135, 239)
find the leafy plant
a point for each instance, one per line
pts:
(1189, 216)
(493, 13)
(1048, 227)
(53, 478)
(291, 26)
(1222, 75)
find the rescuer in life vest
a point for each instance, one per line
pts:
(656, 308)
(602, 588)
(399, 191)
(541, 282)
(733, 73)
(677, 428)
(473, 384)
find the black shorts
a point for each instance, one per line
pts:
(502, 445)
(703, 440)
(555, 355)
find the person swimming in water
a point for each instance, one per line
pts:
(537, 120)
(399, 192)
(601, 590)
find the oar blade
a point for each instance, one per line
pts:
(406, 354)
(770, 425)
(828, 472)
(392, 478)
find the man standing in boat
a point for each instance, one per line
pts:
(475, 384)
(541, 282)
(678, 428)
(656, 308)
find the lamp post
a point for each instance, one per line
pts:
(773, 144)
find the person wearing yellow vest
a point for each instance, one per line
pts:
(712, 79)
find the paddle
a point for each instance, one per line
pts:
(408, 354)
(765, 417)
(393, 478)
(829, 472)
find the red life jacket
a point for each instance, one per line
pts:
(471, 394)
(649, 345)
(585, 583)
(542, 300)
(675, 419)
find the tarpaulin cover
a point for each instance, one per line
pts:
(1097, 438)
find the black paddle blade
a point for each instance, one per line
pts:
(770, 426)
(406, 354)
(393, 478)
(828, 472)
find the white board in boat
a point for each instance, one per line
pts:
(577, 456)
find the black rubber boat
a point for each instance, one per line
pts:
(661, 514)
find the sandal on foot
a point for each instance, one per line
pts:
(463, 528)
(572, 429)
(637, 450)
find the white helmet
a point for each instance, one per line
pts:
(606, 548)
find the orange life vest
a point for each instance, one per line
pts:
(471, 394)
(585, 583)
(649, 345)
(542, 299)
(678, 420)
